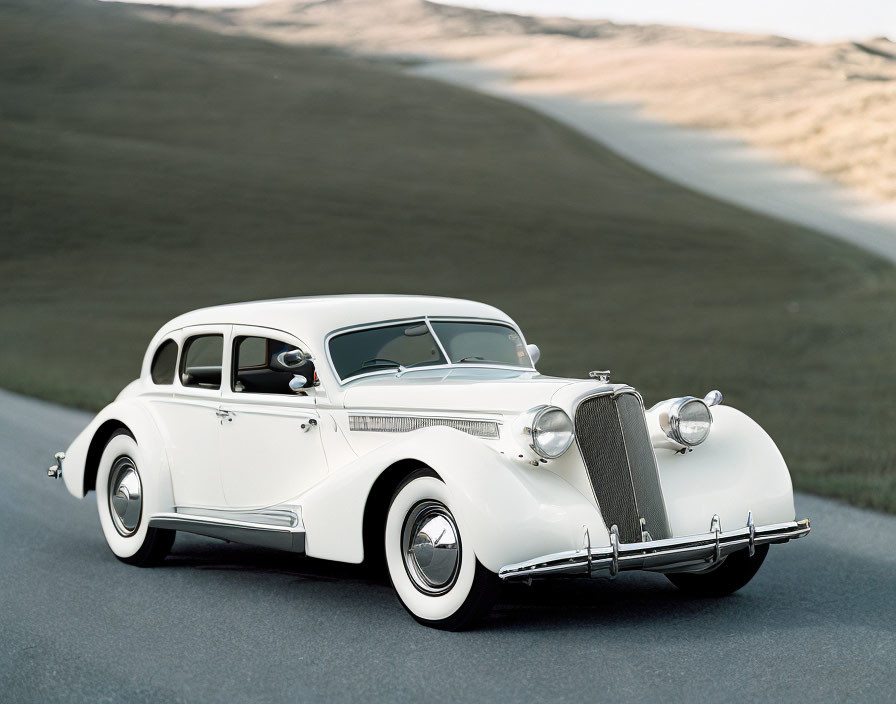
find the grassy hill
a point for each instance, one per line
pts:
(149, 169)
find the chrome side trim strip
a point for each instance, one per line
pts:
(405, 424)
(657, 555)
(285, 515)
(268, 536)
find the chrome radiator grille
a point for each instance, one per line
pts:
(615, 446)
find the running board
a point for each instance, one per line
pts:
(267, 535)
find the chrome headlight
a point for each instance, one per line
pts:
(688, 422)
(550, 431)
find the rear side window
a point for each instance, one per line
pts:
(164, 363)
(201, 366)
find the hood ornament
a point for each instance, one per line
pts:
(602, 376)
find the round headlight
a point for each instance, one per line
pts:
(689, 421)
(551, 432)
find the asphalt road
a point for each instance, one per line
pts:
(222, 622)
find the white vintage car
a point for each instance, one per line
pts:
(416, 431)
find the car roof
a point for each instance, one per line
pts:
(311, 318)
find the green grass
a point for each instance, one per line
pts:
(146, 170)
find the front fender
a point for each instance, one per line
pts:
(738, 469)
(153, 461)
(506, 509)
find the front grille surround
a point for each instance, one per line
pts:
(611, 433)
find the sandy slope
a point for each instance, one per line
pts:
(702, 160)
(826, 107)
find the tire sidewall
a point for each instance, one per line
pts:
(121, 444)
(426, 607)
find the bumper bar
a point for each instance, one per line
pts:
(668, 555)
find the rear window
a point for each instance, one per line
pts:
(164, 363)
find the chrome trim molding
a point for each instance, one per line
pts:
(404, 424)
(286, 515)
(55, 472)
(262, 535)
(658, 555)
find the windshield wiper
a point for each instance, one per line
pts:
(379, 362)
(479, 359)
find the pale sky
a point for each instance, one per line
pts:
(812, 20)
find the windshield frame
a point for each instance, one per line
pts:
(427, 320)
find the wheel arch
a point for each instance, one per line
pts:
(376, 508)
(95, 450)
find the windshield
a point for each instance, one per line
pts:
(389, 347)
(410, 345)
(485, 343)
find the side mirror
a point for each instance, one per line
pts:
(534, 353)
(296, 362)
(713, 398)
(297, 384)
(289, 359)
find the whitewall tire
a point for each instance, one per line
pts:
(433, 570)
(121, 502)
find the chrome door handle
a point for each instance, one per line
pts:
(222, 414)
(308, 425)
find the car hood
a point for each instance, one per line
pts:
(494, 391)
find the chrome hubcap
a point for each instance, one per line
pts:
(431, 546)
(125, 496)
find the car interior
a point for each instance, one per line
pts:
(258, 367)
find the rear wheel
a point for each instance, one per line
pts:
(435, 574)
(733, 573)
(120, 495)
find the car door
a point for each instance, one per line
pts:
(271, 448)
(191, 420)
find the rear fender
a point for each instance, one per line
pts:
(84, 452)
(506, 509)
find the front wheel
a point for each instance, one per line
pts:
(120, 495)
(435, 574)
(733, 573)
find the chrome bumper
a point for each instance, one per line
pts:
(669, 555)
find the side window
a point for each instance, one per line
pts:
(164, 363)
(201, 365)
(255, 367)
